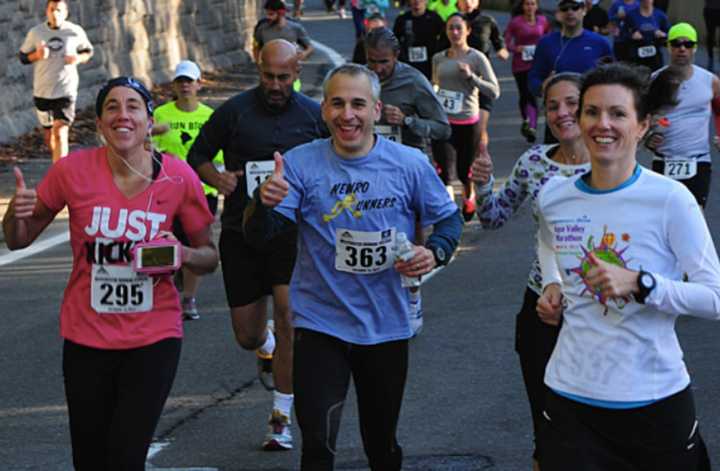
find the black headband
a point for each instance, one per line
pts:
(128, 82)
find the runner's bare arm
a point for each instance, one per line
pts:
(202, 256)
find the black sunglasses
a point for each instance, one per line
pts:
(678, 43)
(573, 7)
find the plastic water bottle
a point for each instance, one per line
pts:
(404, 249)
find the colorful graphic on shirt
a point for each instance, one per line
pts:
(607, 251)
(347, 203)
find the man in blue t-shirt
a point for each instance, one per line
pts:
(572, 49)
(350, 197)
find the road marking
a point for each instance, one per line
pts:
(156, 448)
(35, 248)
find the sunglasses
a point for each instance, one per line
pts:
(573, 7)
(678, 43)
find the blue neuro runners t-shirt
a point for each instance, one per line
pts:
(348, 212)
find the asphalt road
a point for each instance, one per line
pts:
(464, 408)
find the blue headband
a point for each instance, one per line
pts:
(128, 82)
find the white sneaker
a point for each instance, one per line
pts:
(415, 316)
(189, 309)
(279, 437)
(342, 14)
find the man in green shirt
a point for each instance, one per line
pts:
(177, 124)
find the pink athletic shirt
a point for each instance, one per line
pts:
(521, 33)
(106, 304)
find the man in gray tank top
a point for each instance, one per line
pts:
(682, 147)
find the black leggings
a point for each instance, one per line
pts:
(526, 98)
(115, 398)
(322, 367)
(663, 436)
(463, 141)
(712, 23)
(534, 343)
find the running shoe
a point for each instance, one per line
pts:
(468, 210)
(341, 13)
(189, 309)
(264, 365)
(279, 437)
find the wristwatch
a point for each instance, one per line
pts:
(441, 257)
(646, 283)
(408, 120)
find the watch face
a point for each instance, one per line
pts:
(440, 253)
(647, 280)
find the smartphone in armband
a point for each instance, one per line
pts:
(158, 257)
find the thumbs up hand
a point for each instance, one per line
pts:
(23, 203)
(275, 188)
(482, 167)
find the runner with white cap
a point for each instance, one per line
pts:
(177, 124)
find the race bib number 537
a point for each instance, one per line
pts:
(364, 253)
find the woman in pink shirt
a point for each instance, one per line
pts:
(122, 328)
(521, 36)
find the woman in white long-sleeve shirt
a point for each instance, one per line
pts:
(620, 239)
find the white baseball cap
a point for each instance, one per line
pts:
(187, 69)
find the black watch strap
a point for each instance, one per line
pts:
(646, 283)
(441, 257)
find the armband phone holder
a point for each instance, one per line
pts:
(157, 257)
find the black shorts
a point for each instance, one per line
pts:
(249, 273)
(699, 185)
(55, 109)
(486, 103)
(177, 228)
(663, 436)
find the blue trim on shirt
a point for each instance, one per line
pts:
(583, 185)
(618, 405)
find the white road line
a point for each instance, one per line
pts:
(6, 259)
(155, 448)
(35, 248)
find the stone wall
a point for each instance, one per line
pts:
(144, 38)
